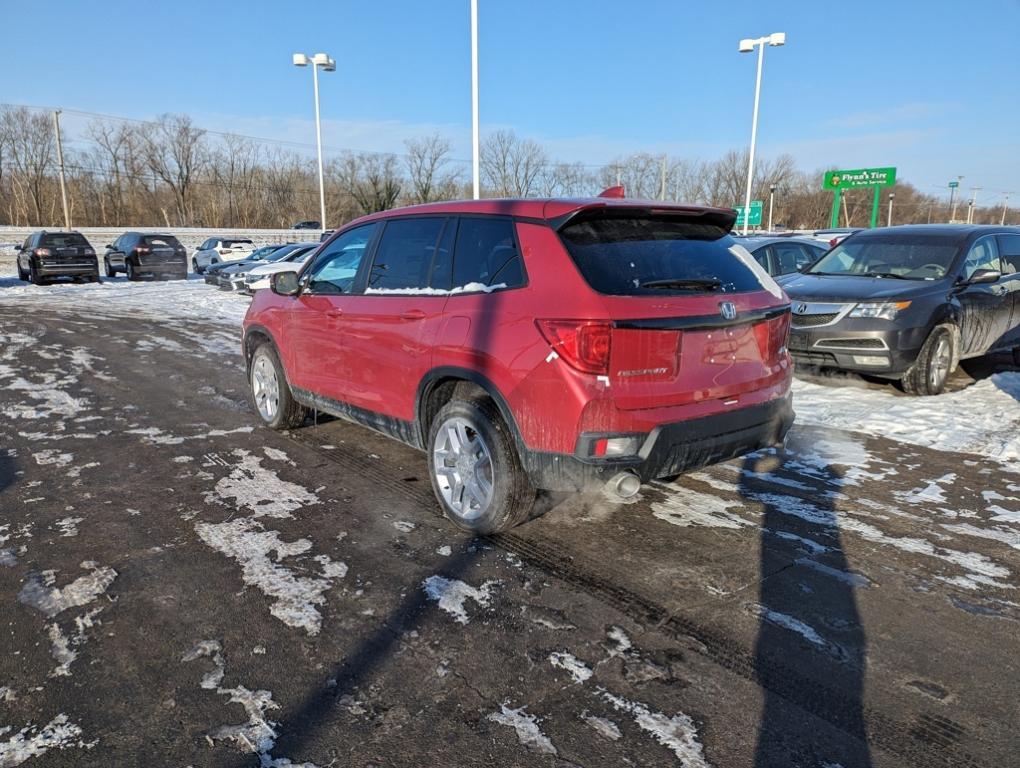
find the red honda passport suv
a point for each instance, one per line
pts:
(531, 344)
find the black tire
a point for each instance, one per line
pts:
(930, 372)
(131, 274)
(1016, 356)
(33, 275)
(21, 273)
(288, 413)
(194, 267)
(94, 278)
(512, 495)
(110, 271)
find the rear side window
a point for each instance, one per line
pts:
(1009, 251)
(791, 256)
(621, 255)
(64, 240)
(486, 254)
(403, 258)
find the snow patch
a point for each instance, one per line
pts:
(677, 733)
(53, 457)
(577, 669)
(526, 726)
(251, 486)
(51, 601)
(603, 726)
(404, 526)
(452, 593)
(59, 733)
(684, 507)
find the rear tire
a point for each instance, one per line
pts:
(131, 274)
(475, 470)
(33, 275)
(270, 393)
(930, 372)
(194, 267)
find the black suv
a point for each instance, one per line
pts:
(146, 255)
(45, 255)
(909, 302)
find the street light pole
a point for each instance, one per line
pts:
(747, 46)
(772, 194)
(475, 143)
(1005, 207)
(60, 162)
(952, 199)
(973, 204)
(888, 218)
(328, 65)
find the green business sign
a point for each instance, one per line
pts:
(954, 184)
(755, 219)
(862, 177)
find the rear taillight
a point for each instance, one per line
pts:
(141, 250)
(582, 344)
(772, 335)
(41, 251)
(224, 251)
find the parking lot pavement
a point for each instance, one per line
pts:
(179, 586)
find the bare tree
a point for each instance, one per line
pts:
(176, 153)
(32, 147)
(427, 161)
(512, 167)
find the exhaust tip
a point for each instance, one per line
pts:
(624, 485)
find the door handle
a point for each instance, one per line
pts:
(334, 313)
(412, 314)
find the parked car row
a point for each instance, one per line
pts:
(252, 273)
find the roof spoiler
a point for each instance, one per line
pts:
(616, 192)
(724, 218)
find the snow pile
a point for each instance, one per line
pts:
(31, 742)
(451, 594)
(677, 733)
(577, 669)
(54, 600)
(982, 419)
(469, 288)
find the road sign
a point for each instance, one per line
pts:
(862, 177)
(755, 220)
(954, 184)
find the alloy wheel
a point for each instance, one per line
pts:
(265, 387)
(462, 465)
(939, 370)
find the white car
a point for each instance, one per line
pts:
(258, 277)
(219, 249)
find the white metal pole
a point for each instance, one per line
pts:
(318, 145)
(888, 218)
(754, 136)
(475, 148)
(1005, 207)
(772, 194)
(60, 162)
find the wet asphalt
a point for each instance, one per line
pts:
(848, 601)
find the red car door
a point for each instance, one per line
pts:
(315, 318)
(389, 329)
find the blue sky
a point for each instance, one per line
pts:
(932, 88)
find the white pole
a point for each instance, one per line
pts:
(772, 194)
(318, 145)
(1005, 207)
(60, 161)
(754, 136)
(475, 150)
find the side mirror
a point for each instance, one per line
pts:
(284, 283)
(19, 248)
(983, 276)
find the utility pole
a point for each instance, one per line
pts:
(952, 199)
(1005, 207)
(475, 143)
(662, 182)
(772, 194)
(888, 218)
(973, 204)
(60, 161)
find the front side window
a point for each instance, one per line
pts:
(984, 254)
(899, 256)
(337, 265)
(1009, 252)
(790, 257)
(403, 259)
(486, 255)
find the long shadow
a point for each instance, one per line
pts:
(299, 726)
(808, 621)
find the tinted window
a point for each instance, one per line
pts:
(442, 264)
(64, 240)
(404, 256)
(486, 254)
(161, 241)
(335, 268)
(1009, 250)
(790, 257)
(761, 255)
(206, 245)
(910, 256)
(231, 243)
(984, 254)
(622, 254)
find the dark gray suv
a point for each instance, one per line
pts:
(47, 255)
(909, 302)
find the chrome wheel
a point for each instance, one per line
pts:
(265, 388)
(462, 465)
(939, 364)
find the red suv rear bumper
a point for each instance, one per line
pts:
(668, 449)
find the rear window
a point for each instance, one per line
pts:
(620, 256)
(161, 241)
(229, 243)
(64, 240)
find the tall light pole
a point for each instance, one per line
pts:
(475, 146)
(747, 46)
(972, 204)
(888, 218)
(60, 162)
(772, 194)
(328, 65)
(1005, 207)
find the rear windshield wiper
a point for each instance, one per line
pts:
(684, 284)
(886, 274)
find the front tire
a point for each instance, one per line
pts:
(21, 273)
(270, 393)
(475, 470)
(930, 372)
(108, 268)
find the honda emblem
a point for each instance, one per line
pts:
(728, 310)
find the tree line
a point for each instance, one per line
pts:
(170, 172)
